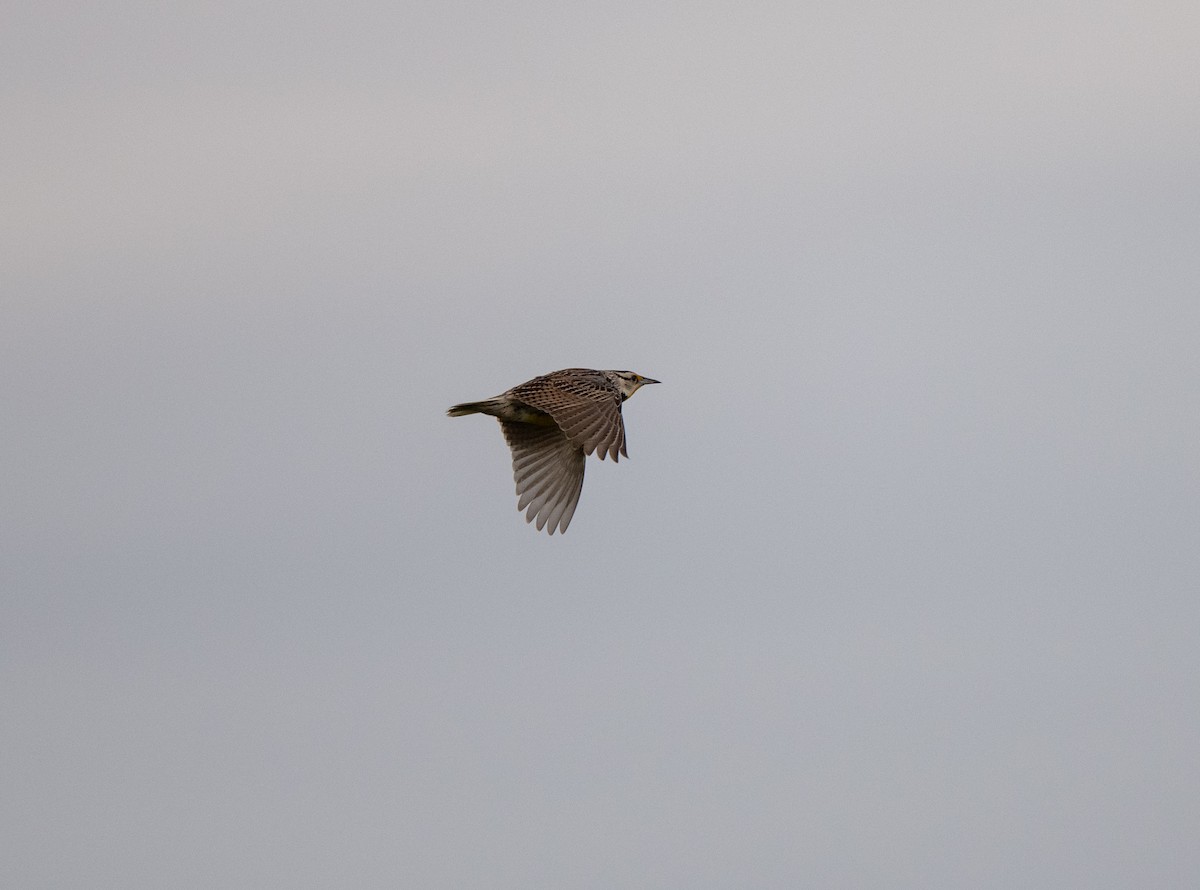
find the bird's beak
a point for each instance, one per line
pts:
(646, 380)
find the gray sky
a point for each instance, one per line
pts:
(898, 589)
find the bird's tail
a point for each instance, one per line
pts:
(488, 406)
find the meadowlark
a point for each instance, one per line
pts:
(550, 423)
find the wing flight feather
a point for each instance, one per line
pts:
(548, 471)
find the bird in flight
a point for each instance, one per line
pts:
(550, 423)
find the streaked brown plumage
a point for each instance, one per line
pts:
(550, 423)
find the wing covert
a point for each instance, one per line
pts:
(584, 404)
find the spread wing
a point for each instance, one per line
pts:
(548, 469)
(584, 404)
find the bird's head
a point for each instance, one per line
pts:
(629, 383)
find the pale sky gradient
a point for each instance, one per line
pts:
(900, 587)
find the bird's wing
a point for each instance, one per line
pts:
(584, 405)
(548, 469)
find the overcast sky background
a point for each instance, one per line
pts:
(899, 587)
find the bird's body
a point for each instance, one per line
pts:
(550, 423)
